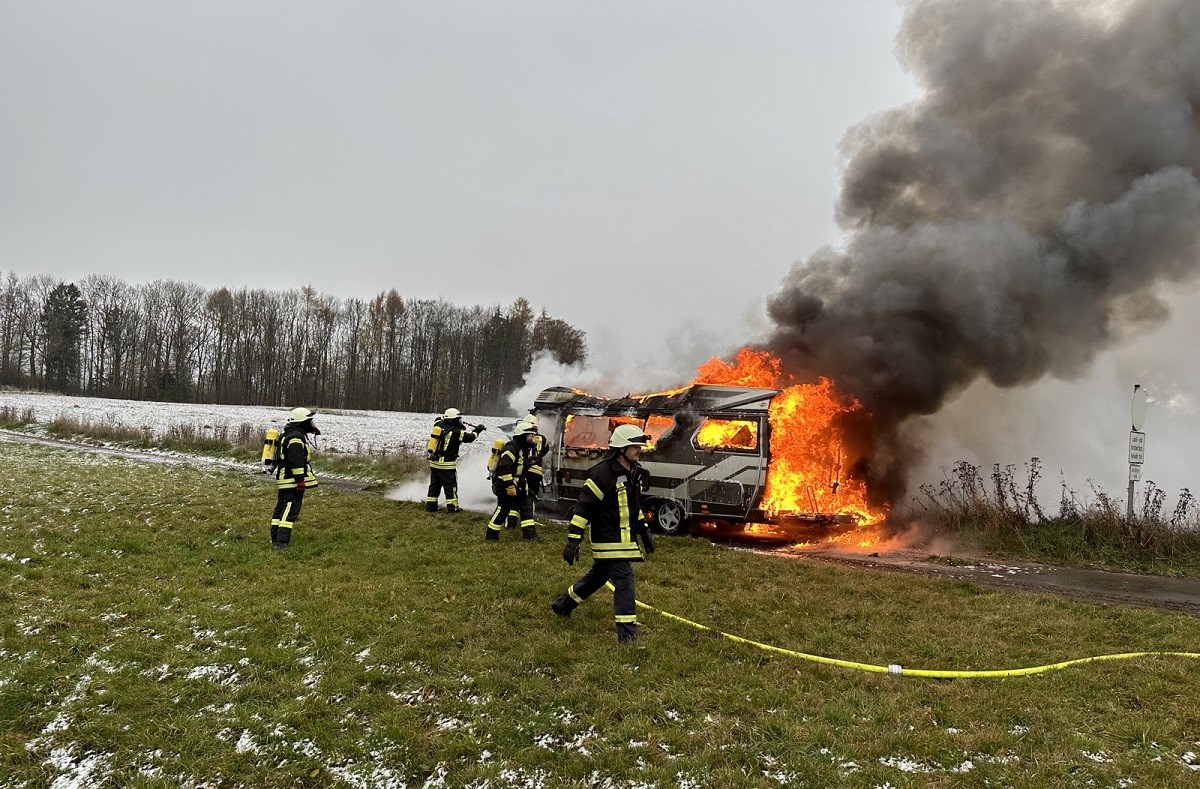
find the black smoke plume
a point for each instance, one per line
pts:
(1023, 216)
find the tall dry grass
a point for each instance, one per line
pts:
(1003, 512)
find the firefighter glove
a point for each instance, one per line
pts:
(300, 483)
(647, 539)
(479, 429)
(571, 551)
(511, 491)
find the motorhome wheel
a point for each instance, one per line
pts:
(670, 517)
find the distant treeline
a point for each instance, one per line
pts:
(177, 341)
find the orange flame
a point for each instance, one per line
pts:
(728, 434)
(806, 472)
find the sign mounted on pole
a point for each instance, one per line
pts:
(1137, 447)
(1137, 408)
(1137, 443)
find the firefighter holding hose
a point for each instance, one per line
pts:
(449, 433)
(293, 473)
(610, 506)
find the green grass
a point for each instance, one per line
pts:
(150, 637)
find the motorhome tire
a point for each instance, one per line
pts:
(670, 517)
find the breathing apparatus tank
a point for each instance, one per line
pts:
(435, 439)
(494, 457)
(270, 452)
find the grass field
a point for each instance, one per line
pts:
(150, 637)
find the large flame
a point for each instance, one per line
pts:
(807, 471)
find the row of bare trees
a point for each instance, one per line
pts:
(177, 341)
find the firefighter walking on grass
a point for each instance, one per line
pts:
(448, 435)
(609, 505)
(510, 483)
(293, 474)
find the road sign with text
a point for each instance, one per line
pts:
(1137, 446)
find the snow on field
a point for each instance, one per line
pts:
(341, 430)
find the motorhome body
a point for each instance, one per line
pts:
(708, 461)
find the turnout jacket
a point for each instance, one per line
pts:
(295, 456)
(447, 436)
(538, 446)
(512, 468)
(610, 504)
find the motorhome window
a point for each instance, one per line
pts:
(728, 435)
(586, 432)
(657, 425)
(593, 432)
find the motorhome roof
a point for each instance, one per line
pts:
(700, 398)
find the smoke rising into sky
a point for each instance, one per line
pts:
(1032, 209)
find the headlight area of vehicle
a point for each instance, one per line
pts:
(734, 449)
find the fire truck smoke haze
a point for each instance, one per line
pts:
(1031, 210)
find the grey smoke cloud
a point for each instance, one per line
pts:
(1023, 216)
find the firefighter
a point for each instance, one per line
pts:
(510, 483)
(294, 474)
(610, 506)
(538, 447)
(448, 435)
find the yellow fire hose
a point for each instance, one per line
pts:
(898, 670)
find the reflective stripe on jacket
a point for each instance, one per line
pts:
(444, 442)
(610, 506)
(510, 469)
(294, 461)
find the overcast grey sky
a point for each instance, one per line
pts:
(671, 158)
(666, 162)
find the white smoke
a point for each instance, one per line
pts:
(616, 370)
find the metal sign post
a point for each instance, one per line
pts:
(1137, 443)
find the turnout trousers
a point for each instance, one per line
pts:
(620, 573)
(511, 511)
(287, 512)
(442, 479)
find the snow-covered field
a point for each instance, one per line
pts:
(341, 430)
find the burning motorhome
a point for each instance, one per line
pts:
(721, 450)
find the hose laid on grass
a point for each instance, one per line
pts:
(898, 670)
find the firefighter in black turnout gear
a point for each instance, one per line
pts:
(510, 483)
(447, 436)
(610, 506)
(293, 474)
(538, 446)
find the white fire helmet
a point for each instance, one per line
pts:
(451, 413)
(299, 415)
(532, 419)
(627, 436)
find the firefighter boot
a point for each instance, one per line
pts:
(563, 605)
(529, 533)
(491, 535)
(284, 538)
(627, 632)
(274, 533)
(453, 508)
(431, 506)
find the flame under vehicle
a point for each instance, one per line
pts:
(707, 462)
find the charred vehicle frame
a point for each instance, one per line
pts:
(708, 460)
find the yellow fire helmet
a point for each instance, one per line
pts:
(524, 428)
